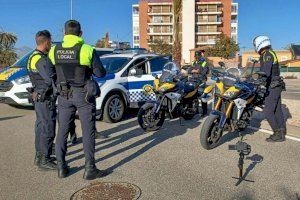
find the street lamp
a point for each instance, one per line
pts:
(71, 9)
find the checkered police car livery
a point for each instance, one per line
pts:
(128, 83)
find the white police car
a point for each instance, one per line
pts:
(127, 83)
(128, 74)
(13, 83)
(14, 80)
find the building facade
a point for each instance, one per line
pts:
(201, 22)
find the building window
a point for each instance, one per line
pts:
(234, 38)
(234, 9)
(157, 19)
(233, 29)
(135, 10)
(206, 29)
(207, 8)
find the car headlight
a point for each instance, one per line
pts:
(230, 94)
(23, 80)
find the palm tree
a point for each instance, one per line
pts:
(7, 40)
(177, 7)
(7, 52)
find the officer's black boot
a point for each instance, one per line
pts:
(91, 172)
(278, 136)
(47, 163)
(37, 158)
(73, 138)
(63, 169)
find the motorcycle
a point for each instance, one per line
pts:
(176, 96)
(236, 94)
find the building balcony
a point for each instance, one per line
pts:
(160, 23)
(160, 13)
(206, 42)
(234, 9)
(170, 43)
(210, 3)
(160, 33)
(209, 22)
(217, 12)
(209, 33)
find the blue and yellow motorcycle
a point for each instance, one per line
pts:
(236, 93)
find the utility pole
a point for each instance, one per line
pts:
(71, 9)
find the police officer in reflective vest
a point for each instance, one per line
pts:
(275, 85)
(75, 63)
(42, 76)
(200, 66)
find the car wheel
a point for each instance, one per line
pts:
(113, 109)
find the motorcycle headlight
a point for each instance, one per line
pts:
(162, 89)
(23, 80)
(230, 94)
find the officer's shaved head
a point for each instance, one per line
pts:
(72, 27)
(42, 36)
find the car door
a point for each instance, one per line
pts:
(139, 81)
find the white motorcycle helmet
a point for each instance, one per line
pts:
(261, 42)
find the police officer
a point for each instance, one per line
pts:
(275, 85)
(200, 67)
(75, 63)
(42, 76)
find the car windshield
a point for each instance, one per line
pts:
(114, 64)
(23, 61)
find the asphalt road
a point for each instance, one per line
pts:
(168, 164)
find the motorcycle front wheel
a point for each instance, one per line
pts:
(148, 120)
(209, 137)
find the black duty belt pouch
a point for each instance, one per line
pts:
(92, 90)
(64, 90)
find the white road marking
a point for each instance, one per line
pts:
(271, 132)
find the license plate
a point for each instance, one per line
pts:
(2, 94)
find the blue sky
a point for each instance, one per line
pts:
(280, 19)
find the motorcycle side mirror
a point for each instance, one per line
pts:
(258, 75)
(132, 72)
(262, 74)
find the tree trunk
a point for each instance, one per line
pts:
(177, 7)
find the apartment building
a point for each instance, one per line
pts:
(200, 24)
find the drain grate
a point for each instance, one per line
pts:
(108, 191)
